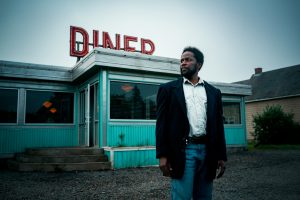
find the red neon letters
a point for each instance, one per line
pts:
(106, 42)
(85, 41)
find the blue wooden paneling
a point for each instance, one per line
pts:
(131, 135)
(235, 136)
(134, 158)
(144, 135)
(15, 139)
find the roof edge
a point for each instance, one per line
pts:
(273, 98)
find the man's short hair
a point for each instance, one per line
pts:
(197, 53)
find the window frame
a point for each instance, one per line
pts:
(109, 100)
(233, 100)
(17, 114)
(53, 91)
(131, 78)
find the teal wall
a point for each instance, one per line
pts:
(16, 139)
(144, 135)
(235, 136)
(126, 140)
(130, 135)
(133, 158)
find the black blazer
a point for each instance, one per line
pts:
(172, 127)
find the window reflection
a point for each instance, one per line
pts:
(49, 107)
(132, 100)
(8, 105)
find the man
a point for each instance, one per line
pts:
(190, 141)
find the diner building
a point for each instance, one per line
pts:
(107, 101)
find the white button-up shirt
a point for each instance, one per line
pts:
(196, 104)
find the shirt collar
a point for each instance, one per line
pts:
(200, 82)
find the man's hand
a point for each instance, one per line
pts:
(165, 166)
(221, 168)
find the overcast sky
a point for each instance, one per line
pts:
(235, 35)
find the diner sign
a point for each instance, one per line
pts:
(146, 45)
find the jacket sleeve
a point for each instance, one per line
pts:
(161, 123)
(221, 143)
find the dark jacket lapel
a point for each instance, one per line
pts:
(180, 94)
(210, 93)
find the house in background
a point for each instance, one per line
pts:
(276, 87)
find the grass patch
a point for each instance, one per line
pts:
(251, 146)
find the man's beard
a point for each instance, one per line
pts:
(189, 72)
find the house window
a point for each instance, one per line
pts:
(232, 113)
(49, 107)
(8, 105)
(132, 100)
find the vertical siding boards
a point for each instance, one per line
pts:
(134, 158)
(128, 149)
(131, 135)
(235, 136)
(133, 145)
(142, 135)
(15, 140)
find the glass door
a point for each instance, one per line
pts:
(94, 115)
(82, 121)
(89, 116)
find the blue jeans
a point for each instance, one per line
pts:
(193, 183)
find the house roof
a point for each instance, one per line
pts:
(274, 84)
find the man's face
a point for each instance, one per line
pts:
(189, 66)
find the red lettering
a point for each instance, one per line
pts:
(143, 46)
(117, 41)
(147, 46)
(106, 41)
(95, 38)
(128, 39)
(85, 42)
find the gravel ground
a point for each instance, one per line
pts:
(250, 175)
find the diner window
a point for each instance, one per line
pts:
(132, 100)
(49, 107)
(8, 105)
(231, 113)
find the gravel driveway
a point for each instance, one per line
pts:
(250, 175)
